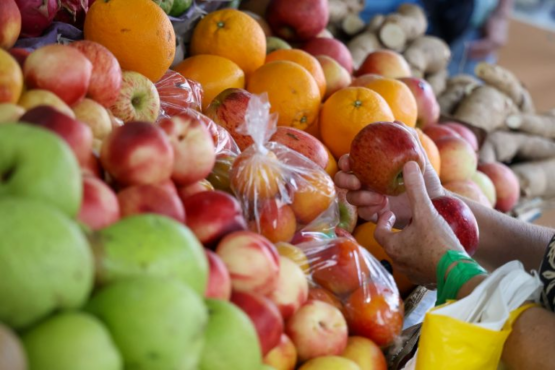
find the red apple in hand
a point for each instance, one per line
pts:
(60, 69)
(219, 281)
(137, 153)
(458, 159)
(252, 261)
(507, 186)
(106, 78)
(428, 107)
(332, 48)
(461, 220)
(151, 198)
(213, 214)
(379, 153)
(317, 329)
(297, 20)
(193, 146)
(265, 317)
(340, 267)
(99, 207)
(302, 143)
(76, 134)
(376, 313)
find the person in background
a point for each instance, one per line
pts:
(474, 29)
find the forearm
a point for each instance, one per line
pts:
(504, 239)
(504, 8)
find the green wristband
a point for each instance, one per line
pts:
(464, 270)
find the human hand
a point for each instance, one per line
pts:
(418, 248)
(495, 36)
(370, 204)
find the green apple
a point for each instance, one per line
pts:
(166, 5)
(267, 367)
(150, 244)
(38, 164)
(12, 356)
(45, 262)
(157, 323)
(275, 43)
(71, 341)
(231, 339)
(180, 6)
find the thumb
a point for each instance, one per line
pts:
(416, 189)
(383, 231)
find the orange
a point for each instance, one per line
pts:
(304, 60)
(137, 32)
(231, 34)
(431, 150)
(396, 94)
(292, 92)
(11, 78)
(257, 177)
(314, 129)
(364, 234)
(347, 112)
(214, 73)
(331, 168)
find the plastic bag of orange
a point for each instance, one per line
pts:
(178, 93)
(283, 193)
(347, 276)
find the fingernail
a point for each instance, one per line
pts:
(412, 166)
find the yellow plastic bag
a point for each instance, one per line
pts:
(469, 334)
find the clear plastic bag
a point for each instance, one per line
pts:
(178, 93)
(347, 276)
(283, 193)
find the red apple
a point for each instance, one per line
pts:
(185, 192)
(35, 98)
(275, 220)
(76, 134)
(332, 48)
(151, 198)
(252, 261)
(458, 159)
(340, 267)
(302, 143)
(92, 166)
(336, 75)
(137, 153)
(36, 15)
(193, 147)
(297, 20)
(507, 186)
(486, 185)
(365, 353)
(317, 329)
(265, 317)
(219, 281)
(213, 214)
(461, 220)
(376, 313)
(283, 356)
(10, 23)
(106, 75)
(386, 63)
(323, 295)
(348, 214)
(379, 153)
(228, 110)
(20, 55)
(95, 116)
(291, 291)
(465, 133)
(427, 105)
(60, 69)
(100, 206)
(138, 99)
(468, 189)
(438, 132)
(178, 93)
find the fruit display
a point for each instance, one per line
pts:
(169, 208)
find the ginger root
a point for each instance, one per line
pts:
(361, 46)
(407, 24)
(536, 178)
(535, 124)
(508, 146)
(428, 54)
(457, 88)
(485, 107)
(352, 24)
(438, 81)
(506, 82)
